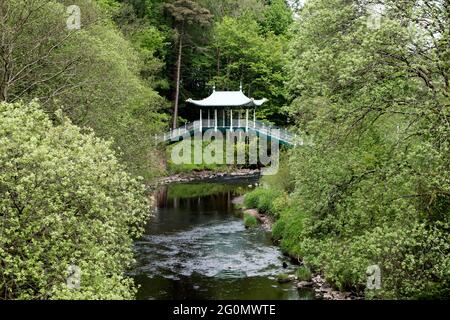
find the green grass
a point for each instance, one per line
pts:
(173, 168)
(264, 200)
(186, 168)
(283, 278)
(303, 274)
(194, 190)
(250, 221)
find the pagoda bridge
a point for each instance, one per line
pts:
(230, 111)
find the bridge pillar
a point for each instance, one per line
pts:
(201, 120)
(254, 118)
(215, 119)
(246, 120)
(231, 120)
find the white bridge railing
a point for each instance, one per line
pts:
(256, 126)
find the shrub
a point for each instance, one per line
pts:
(251, 199)
(278, 229)
(303, 274)
(250, 221)
(284, 179)
(263, 200)
(64, 200)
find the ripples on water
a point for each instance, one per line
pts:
(223, 249)
(197, 248)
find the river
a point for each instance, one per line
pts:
(196, 247)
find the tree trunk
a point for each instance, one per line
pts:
(218, 62)
(178, 76)
(4, 93)
(4, 82)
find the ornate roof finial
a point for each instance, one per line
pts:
(214, 88)
(240, 88)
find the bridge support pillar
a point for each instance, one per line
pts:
(231, 120)
(215, 119)
(239, 119)
(201, 120)
(254, 118)
(246, 120)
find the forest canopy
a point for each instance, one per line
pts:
(366, 81)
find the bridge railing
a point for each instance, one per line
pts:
(258, 126)
(273, 131)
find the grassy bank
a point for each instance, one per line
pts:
(408, 254)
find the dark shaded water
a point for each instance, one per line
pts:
(196, 247)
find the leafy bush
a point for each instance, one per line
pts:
(278, 229)
(251, 199)
(263, 199)
(267, 199)
(303, 274)
(284, 179)
(64, 200)
(250, 221)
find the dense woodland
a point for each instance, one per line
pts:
(79, 110)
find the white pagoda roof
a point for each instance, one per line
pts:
(228, 99)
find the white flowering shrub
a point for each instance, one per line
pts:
(64, 200)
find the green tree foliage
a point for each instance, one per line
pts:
(244, 54)
(64, 200)
(151, 44)
(374, 186)
(277, 17)
(202, 62)
(188, 17)
(236, 9)
(93, 74)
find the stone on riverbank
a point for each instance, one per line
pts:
(283, 278)
(305, 284)
(238, 200)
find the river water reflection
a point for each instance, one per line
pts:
(196, 247)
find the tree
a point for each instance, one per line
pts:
(93, 74)
(64, 200)
(374, 187)
(235, 8)
(255, 59)
(187, 14)
(39, 39)
(277, 17)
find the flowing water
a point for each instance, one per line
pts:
(196, 247)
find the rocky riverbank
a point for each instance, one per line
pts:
(321, 288)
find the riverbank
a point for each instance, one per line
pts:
(265, 221)
(204, 175)
(197, 242)
(317, 283)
